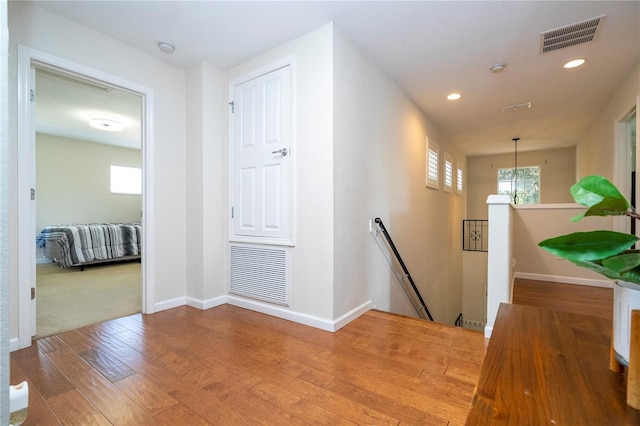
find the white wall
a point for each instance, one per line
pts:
(4, 281)
(532, 224)
(74, 186)
(207, 154)
(312, 257)
(597, 146)
(557, 174)
(46, 32)
(379, 171)
(474, 277)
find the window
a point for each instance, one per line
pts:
(448, 172)
(459, 184)
(126, 180)
(433, 152)
(527, 181)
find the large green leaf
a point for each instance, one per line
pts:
(597, 267)
(608, 206)
(623, 262)
(632, 276)
(585, 246)
(591, 190)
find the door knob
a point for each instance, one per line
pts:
(282, 151)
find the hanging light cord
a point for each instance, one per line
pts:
(515, 171)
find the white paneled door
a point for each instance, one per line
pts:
(261, 156)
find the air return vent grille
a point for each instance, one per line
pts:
(260, 272)
(571, 35)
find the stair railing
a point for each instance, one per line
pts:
(423, 307)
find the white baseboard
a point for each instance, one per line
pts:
(170, 304)
(488, 329)
(206, 304)
(265, 308)
(300, 318)
(276, 311)
(565, 280)
(14, 344)
(352, 314)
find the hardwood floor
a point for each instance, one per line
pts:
(577, 299)
(227, 365)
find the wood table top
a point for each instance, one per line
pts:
(549, 367)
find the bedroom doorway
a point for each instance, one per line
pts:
(31, 63)
(107, 166)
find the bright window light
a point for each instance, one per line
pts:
(459, 181)
(433, 152)
(126, 180)
(448, 172)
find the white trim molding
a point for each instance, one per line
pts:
(301, 318)
(27, 59)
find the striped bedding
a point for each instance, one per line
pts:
(79, 244)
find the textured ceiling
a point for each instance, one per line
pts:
(429, 48)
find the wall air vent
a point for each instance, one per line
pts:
(260, 272)
(571, 35)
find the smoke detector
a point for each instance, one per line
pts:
(166, 47)
(497, 68)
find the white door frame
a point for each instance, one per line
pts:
(621, 166)
(28, 57)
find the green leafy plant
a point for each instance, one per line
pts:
(609, 253)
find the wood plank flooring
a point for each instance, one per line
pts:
(231, 366)
(577, 299)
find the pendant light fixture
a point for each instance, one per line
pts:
(515, 170)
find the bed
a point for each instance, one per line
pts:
(93, 243)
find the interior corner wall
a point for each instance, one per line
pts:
(597, 146)
(379, 169)
(46, 32)
(194, 190)
(206, 156)
(557, 174)
(311, 272)
(215, 161)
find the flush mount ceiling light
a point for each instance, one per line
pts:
(497, 68)
(102, 122)
(166, 47)
(575, 63)
(454, 96)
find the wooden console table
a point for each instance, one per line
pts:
(546, 367)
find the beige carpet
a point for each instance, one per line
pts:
(68, 299)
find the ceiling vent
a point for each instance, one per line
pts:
(570, 35)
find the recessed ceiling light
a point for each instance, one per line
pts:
(454, 96)
(166, 47)
(109, 124)
(574, 63)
